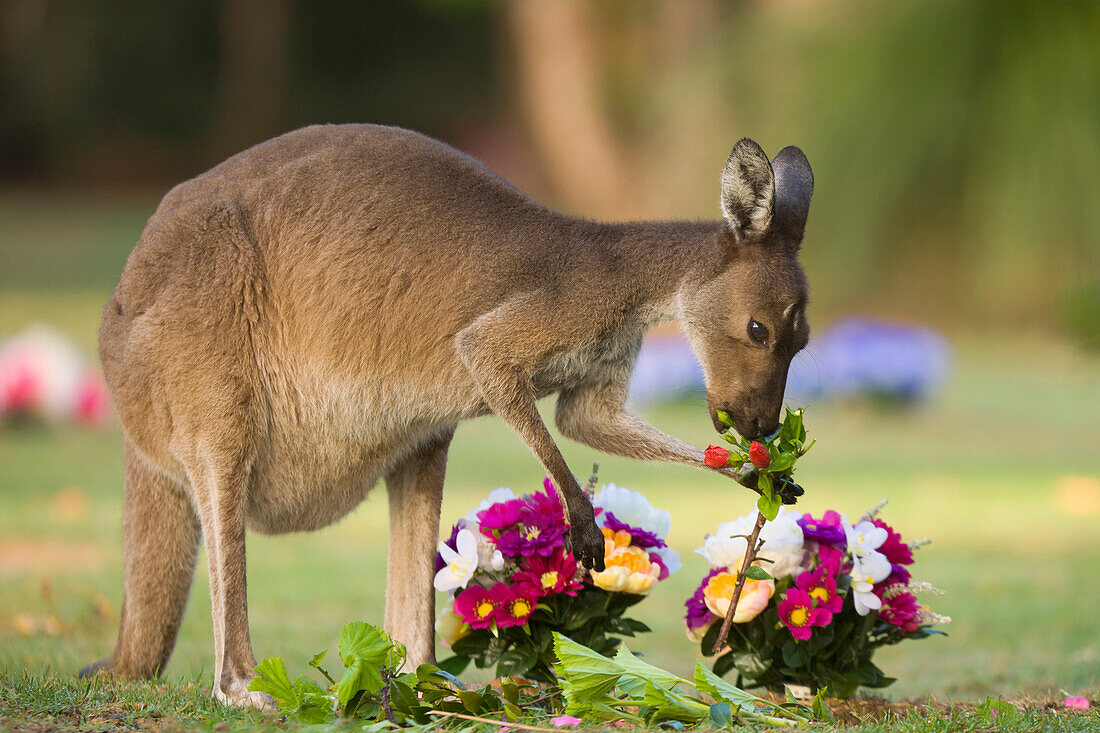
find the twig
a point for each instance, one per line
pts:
(750, 555)
(490, 721)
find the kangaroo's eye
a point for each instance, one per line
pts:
(758, 332)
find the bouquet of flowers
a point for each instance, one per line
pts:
(836, 592)
(512, 581)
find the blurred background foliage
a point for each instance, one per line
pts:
(955, 142)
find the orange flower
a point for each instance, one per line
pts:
(626, 569)
(755, 595)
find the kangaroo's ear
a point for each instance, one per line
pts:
(748, 190)
(794, 185)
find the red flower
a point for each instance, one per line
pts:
(477, 605)
(543, 576)
(798, 614)
(517, 605)
(901, 610)
(716, 457)
(759, 455)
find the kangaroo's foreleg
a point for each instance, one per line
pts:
(593, 413)
(415, 489)
(501, 362)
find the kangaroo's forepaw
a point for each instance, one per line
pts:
(587, 543)
(238, 695)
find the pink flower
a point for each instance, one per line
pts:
(1077, 703)
(897, 552)
(93, 406)
(755, 594)
(543, 576)
(821, 586)
(797, 613)
(500, 516)
(477, 605)
(563, 721)
(901, 610)
(516, 605)
(831, 558)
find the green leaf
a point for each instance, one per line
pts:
(585, 675)
(512, 712)
(782, 462)
(668, 704)
(713, 685)
(454, 666)
(821, 710)
(518, 660)
(472, 701)
(360, 676)
(720, 715)
(369, 643)
(724, 418)
(271, 677)
(769, 506)
(636, 674)
(755, 572)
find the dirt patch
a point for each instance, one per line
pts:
(21, 556)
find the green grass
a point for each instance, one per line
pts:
(982, 470)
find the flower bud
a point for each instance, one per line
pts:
(716, 457)
(759, 455)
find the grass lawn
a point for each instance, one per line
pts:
(1001, 471)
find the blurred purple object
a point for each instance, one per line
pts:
(860, 357)
(856, 357)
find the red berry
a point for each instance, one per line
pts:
(716, 457)
(759, 455)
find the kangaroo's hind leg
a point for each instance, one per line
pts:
(160, 541)
(415, 489)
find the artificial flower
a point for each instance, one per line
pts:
(477, 605)
(460, 562)
(496, 496)
(782, 544)
(549, 575)
(534, 534)
(630, 507)
(718, 594)
(901, 610)
(828, 530)
(498, 517)
(798, 614)
(516, 605)
(863, 537)
(716, 456)
(450, 626)
(867, 569)
(759, 455)
(820, 585)
(626, 570)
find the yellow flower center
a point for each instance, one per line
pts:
(484, 609)
(799, 616)
(549, 579)
(532, 533)
(520, 608)
(621, 538)
(457, 569)
(820, 594)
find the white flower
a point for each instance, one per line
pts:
(782, 544)
(460, 565)
(497, 561)
(630, 507)
(450, 627)
(864, 537)
(867, 569)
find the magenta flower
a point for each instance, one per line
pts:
(563, 721)
(477, 605)
(1077, 703)
(543, 576)
(820, 585)
(901, 610)
(832, 558)
(798, 614)
(500, 516)
(897, 552)
(535, 534)
(516, 605)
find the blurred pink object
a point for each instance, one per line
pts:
(45, 376)
(1077, 703)
(563, 721)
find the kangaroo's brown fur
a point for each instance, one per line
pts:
(320, 311)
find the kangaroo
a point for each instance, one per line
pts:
(320, 311)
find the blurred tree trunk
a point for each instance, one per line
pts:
(556, 46)
(253, 36)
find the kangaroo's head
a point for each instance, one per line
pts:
(748, 318)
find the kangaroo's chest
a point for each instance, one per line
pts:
(608, 357)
